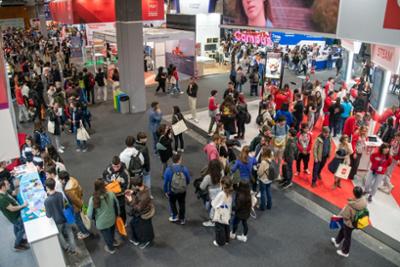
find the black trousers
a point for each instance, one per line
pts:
(302, 157)
(178, 139)
(221, 233)
(345, 236)
(161, 85)
(241, 128)
(90, 94)
(236, 222)
(142, 230)
(354, 163)
(179, 198)
(122, 210)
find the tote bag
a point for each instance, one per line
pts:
(119, 224)
(343, 171)
(179, 127)
(86, 221)
(82, 134)
(51, 127)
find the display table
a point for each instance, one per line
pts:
(365, 158)
(203, 63)
(41, 232)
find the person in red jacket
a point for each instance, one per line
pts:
(212, 110)
(387, 186)
(283, 96)
(304, 144)
(23, 115)
(351, 124)
(380, 161)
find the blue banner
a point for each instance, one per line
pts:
(282, 38)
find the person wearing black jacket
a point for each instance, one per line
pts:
(100, 79)
(176, 117)
(141, 145)
(55, 117)
(165, 145)
(242, 209)
(192, 98)
(161, 79)
(89, 86)
(241, 117)
(298, 111)
(335, 112)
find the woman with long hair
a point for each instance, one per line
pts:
(228, 116)
(178, 138)
(255, 13)
(53, 154)
(164, 145)
(241, 116)
(211, 183)
(343, 152)
(103, 209)
(359, 145)
(242, 211)
(245, 165)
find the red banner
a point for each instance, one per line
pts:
(3, 83)
(392, 15)
(152, 9)
(89, 11)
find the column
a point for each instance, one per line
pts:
(42, 20)
(130, 52)
(350, 60)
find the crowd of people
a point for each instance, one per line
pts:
(232, 186)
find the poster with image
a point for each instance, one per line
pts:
(300, 15)
(273, 70)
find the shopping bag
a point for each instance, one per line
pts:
(336, 222)
(114, 187)
(51, 127)
(119, 224)
(82, 134)
(69, 214)
(179, 127)
(222, 214)
(343, 171)
(86, 221)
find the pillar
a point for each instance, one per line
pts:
(42, 20)
(130, 52)
(350, 60)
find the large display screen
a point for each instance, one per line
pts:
(377, 91)
(300, 15)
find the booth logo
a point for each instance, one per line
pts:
(255, 38)
(384, 53)
(392, 15)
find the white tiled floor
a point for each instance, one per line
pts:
(384, 210)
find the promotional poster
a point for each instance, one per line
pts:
(273, 69)
(301, 15)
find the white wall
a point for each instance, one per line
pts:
(207, 26)
(363, 20)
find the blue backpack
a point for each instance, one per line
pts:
(44, 140)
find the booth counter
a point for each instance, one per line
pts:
(41, 232)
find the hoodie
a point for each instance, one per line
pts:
(74, 193)
(349, 211)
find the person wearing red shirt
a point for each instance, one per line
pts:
(329, 86)
(304, 144)
(387, 186)
(23, 115)
(358, 142)
(351, 124)
(283, 96)
(380, 161)
(212, 110)
(211, 149)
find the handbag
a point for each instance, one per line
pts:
(149, 214)
(51, 127)
(222, 214)
(114, 187)
(160, 146)
(179, 127)
(343, 171)
(69, 214)
(119, 224)
(86, 221)
(336, 222)
(82, 134)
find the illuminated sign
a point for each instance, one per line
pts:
(255, 38)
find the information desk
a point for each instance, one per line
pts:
(371, 146)
(41, 232)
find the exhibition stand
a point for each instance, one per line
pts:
(41, 232)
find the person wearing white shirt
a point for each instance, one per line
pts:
(25, 89)
(130, 151)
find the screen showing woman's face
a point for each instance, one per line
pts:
(253, 8)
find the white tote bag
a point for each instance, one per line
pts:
(222, 214)
(51, 127)
(179, 127)
(343, 171)
(82, 134)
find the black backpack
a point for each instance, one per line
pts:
(135, 165)
(273, 170)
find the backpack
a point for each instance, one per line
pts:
(260, 118)
(178, 182)
(273, 170)
(92, 81)
(361, 219)
(44, 140)
(248, 118)
(135, 165)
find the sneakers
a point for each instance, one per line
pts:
(134, 242)
(232, 235)
(208, 224)
(116, 243)
(182, 222)
(62, 147)
(78, 150)
(173, 219)
(286, 186)
(215, 243)
(60, 150)
(109, 250)
(340, 253)
(313, 185)
(210, 134)
(333, 240)
(82, 236)
(84, 150)
(181, 92)
(242, 238)
(145, 245)
(307, 172)
(21, 247)
(297, 174)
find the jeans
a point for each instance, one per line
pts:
(180, 198)
(90, 94)
(221, 233)
(239, 87)
(236, 222)
(334, 126)
(19, 232)
(345, 236)
(81, 144)
(341, 123)
(254, 89)
(305, 158)
(212, 122)
(102, 90)
(289, 171)
(108, 236)
(79, 223)
(147, 180)
(69, 243)
(155, 141)
(265, 191)
(317, 168)
(178, 141)
(23, 113)
(372, 182)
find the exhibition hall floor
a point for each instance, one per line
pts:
(385, 210)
